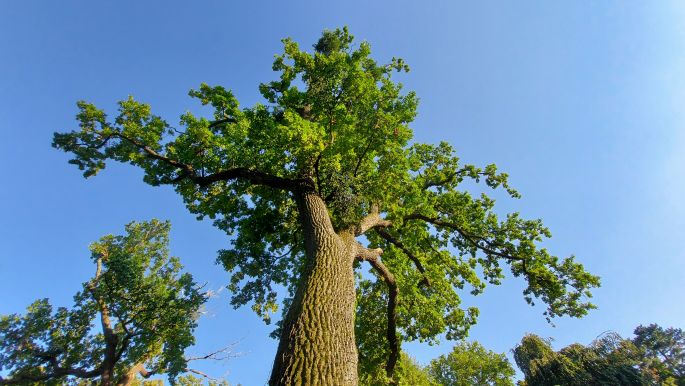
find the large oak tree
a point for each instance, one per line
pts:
(321, 178)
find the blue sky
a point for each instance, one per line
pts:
(580, 102)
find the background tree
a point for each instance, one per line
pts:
(408, 373)
(609, 360)
(147, 311)
(191, 380)
(469, 363)
(301, 179)
(663, 351)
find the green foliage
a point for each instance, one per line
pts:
(609, 360)
(336, 123)
(191, 380)
(471, 364)
(145, 306)
(150, 382)
(654, 357)
(663, 351)
(409, 373)
(183, 380)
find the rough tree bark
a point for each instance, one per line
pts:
(317, 344)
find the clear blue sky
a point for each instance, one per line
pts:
(581, 102)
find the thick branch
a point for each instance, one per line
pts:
(254, 176)
(397, 243)
(372, 256)
(105, 321)
(219, 122)
(57, 373)
(187, 171)
(372, 220)
(130, 376)
(111, 339)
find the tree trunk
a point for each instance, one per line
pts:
(317, 345)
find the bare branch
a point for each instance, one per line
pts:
(200, 373)
(218, 355)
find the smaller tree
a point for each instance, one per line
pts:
(609, 360)
(409, 373)
(472, 364)
(191, 380)
(663, 351)
(147, 312)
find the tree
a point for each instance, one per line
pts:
(609, 360)
(301, 180)
(408, 373)
(191, 380)
(663, 351)
(147, 312)
(471, 364)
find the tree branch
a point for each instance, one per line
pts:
(111, 339)
(372, 220)
(488, 248)
(219, 122)
(450, 177)
(58, 372)
(200, 373)
(254, 176)
(215, 355)
(187, 171)
(392, 240)
(473, 239)
(361, 157)
(372, 256)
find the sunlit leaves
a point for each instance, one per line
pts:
(469, 363)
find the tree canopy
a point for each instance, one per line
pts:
(653, 357)
(469, 363)
(663, 351)
(409, 373)
(147, 310)
(336, 125)
(609, 360)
